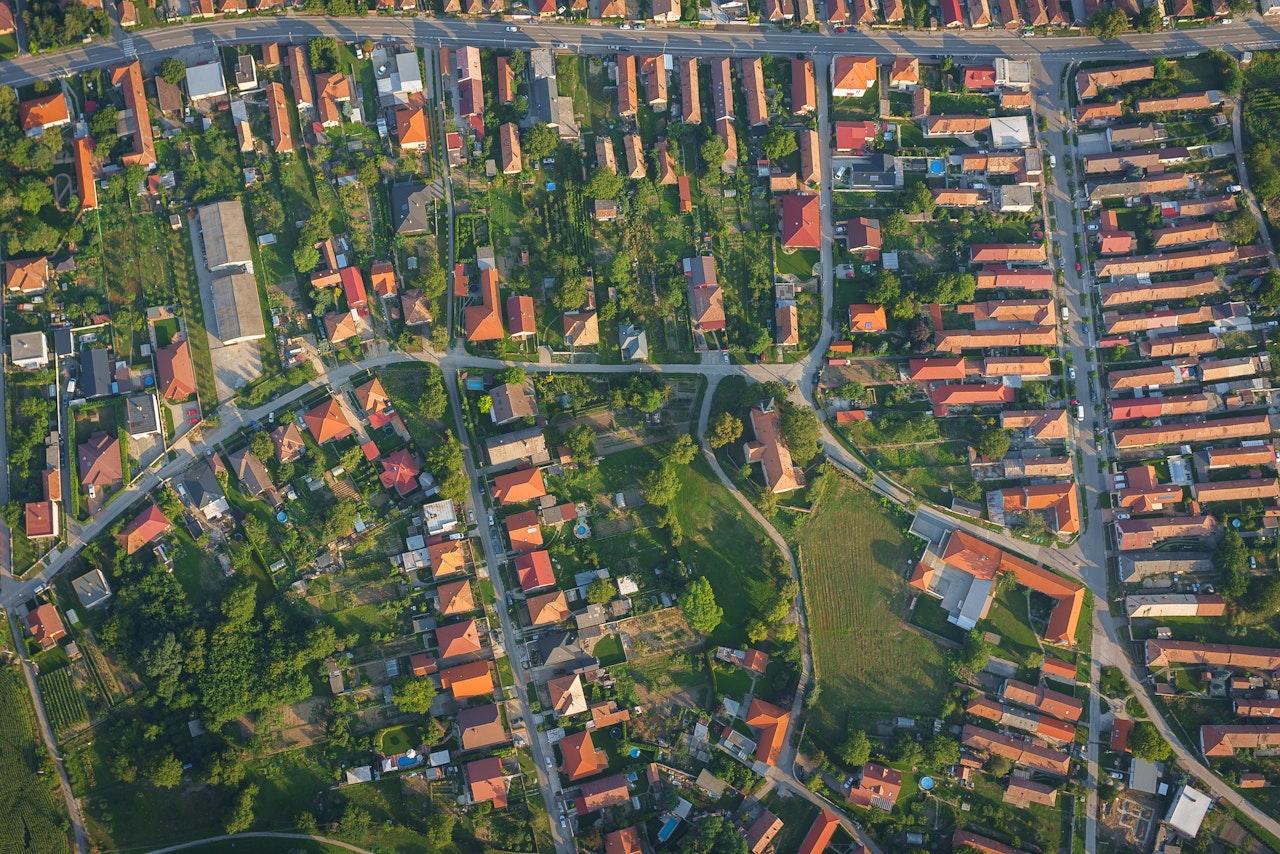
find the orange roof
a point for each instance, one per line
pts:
(129, 77)
(458, 639)
(383, 278)
(865, 317)
(937, 368)
(1057, 667)
(804, 91)
(581, 756)
(962, 839)
(520, 317)
(487, 782)
(278, 111)
(800, 226)
(906, 71)
(43, 112)
(1054, 703)
(548, 608)
(455, 598)
(468, 680)
(411, 127)
(372, 398)
(333, 89)
(28, 275)
(851, 74)
(145, 527)
(771, 451)
(484, 322)
(518, 486)
(1060, 499)
(772, 723)
(41, 519)
(45, 625)
(819, 836)
(87, 187)
(288, 442)
(624, 841)
(524, 532)
(327, 422)
(176, 372)
(447, 558)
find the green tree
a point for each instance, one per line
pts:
(581, 442)
(172, 70)
(856, 749)
(600, 592)
(324, 53)
(992, 443)
(1232, 560)
(355, 820)
(1148, 20)
(306, 258)
(713, 152)
(517, 62)
(973, 655)
(941, 752)
(1108, 24)
(906, 749)
(1263, 597)
(413, 696)
(998, 766)
(698, 601)
(540, 141)
(1240, 227)
(164, 770)
(886, 290)
(800, 429)
(439, 830)
(661, 486)
(1032, 524)
(261, 446)
(1269, 295)
(918, 198)
(779, 143)
(723, 429)
(241, 818)
(603, 184)
(681, 450)
(1146, 742)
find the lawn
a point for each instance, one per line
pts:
(31, 813)
(798, 263)
(609, 651)
(868, 662)
(1035, 823)
(1008, 618)
(724, 544)
(405, 385)
(928, 615)
(732, 681)
(399, 739)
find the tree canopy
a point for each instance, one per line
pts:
(1146, 742)
(413, 695)
(698, 602)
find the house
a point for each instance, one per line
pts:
(624, 841)
(1142, 534)
(468, 681)
(447, 558)
(1164, 346)
(332, 90)
(628, 99)
(205, 82)
(288, 443)
(762, 832)
(7, 24)
(518, 486)
(27, 276)
(458, 639)
(581, 329)
(581, 757)
(509, 159)
(176, 378)
(1059, 503)
(480, 727)
(690, 96)
(45, 626)
(411, 128)
(1062, 706)
(327, 422)
(1091, 83)
(40, 520)
(826, 824)
(506, 81)
(804, 91)
(383, 278)
(1044, 425)
(787, 321)
(1187, 101)
(527, 446)
(98, 462)
(1163, 653)
(91, 588)
(601, 794)
(863, 235)
(144, 529)
(852, 137)
(415, 308)
(753, 89)
(567, 697)
(455, 597)
(852, 76)
(29, 350)
(980, 77)
(867, 317)
(706, 300)
(979, 14)
(1242, 427)
(875, 786)
(799, 214)
(1154, 292)
(484, 322)
(400, 472)
(225, 238)
(665, 10)
(412, 208)
(769, 449)
(963, 840)
(142, 415)
(199, 486)
(969, 394)
(470, 82)
(86, 186)
(512, 402)
(771, 722)
(39, 114)
(809, 157)
(943, 126)
(1145, 494)
(95, 374)
(936, 369)
(253, 476)
(1027, 754)
(905, 74)
(548, 608)
(1154, 605)
(1251, 456)
(1248, 489)
(654, 70)
(523, 532)
(633, 343)
(1190, 806)
(486, 782)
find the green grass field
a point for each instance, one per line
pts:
(31, 814)
(868, 661)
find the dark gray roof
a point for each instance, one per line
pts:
(63, 341)
(410, 208)
(201, 485)
(95, 374)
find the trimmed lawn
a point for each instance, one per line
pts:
(1008, 618)
(399, 739)
(868, 662)
(732, 682)
(609, 651)
(798, 263)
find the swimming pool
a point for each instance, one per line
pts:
(668, 828)
(408, 761)
(937, 166)
(926, 783)
(635, 753)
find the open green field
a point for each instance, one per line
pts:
(868, 662)
(31, 819)
(1008, 617)
(723, 543)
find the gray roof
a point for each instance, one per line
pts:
(545, 101)
(205, 81)
(237, 312)
(633, 342)
(142, 414)
(410, 208)
(63, 341)
(201, 485)
(92, 588)
(251, 473)
(95, 374)
(28, 345)
(226, 237)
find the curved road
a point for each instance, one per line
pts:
(337, 843)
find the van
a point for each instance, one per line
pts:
(1079, 412)
(1053, 161)
(1066, 314)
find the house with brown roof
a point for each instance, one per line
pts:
(804, 90)
(963, 840)
(1251, 456)
(458, 639)
(753, 89)
(1091, 82)
(1007, 253)
(98, 462)
(769, 448)
(1247, 489)
(466, 681)
(935, 369)
(1194, 344)
(809, 157)
(1016, 750)
(800, 221)
(1227, 740)
(949, 395)
(1142, 534)
(1187, 101)
(601, 794)
(135, 117)
(506, 81)
(1241, 367)
(904, 75)
(1240, 427)
(567, 696)
(277, 112)
(628, 100)
(1044, 425)
(1154, 292)
(327, 422)
(942, 126)
(47, 111)
(819, 835)
(852, 76)
(706, 300)
(521, 320)
(1191, 232)
(411, 128)
(690, 97)
(300, 77)
(771, 723)
(288, 443)
(581, 329)
(86, 186)
(653, 68)
(254, 478)
(27, 275)
(664, 10)
(480, 727)
(581, 756)
(1058, 502)
(455, 598)
(509, 160)
(486, 782)
(447, 558)
(548, 609)
(1055, 703)
(45, 626)
(624, 841)
(1145, 494)
(1006, 277)
(40, 520)
(867, 317)
(333, 90)
(483, 322)
(995, 367)
(877, 786)
(762, 832)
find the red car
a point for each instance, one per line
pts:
(839, 29)
(1077, 266)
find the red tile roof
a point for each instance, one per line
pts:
(534, 570)
(772, 723)
(144, 528)
(801, 228)
(518, 486)
(327, 422)
(177, 377)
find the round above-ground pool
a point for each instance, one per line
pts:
(616, 732)
(635, 753)
(582, 530)
(926, 783)
(937, 166)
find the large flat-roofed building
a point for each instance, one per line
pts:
(237, 312)
(225, 236)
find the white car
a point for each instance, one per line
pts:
(1071, 372)
(563, 822)
(513, 29)
(624, 26)
(549, 765)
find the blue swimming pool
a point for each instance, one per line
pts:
(937, 166)
(408, 761)
(635, 753)
(668, 828)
